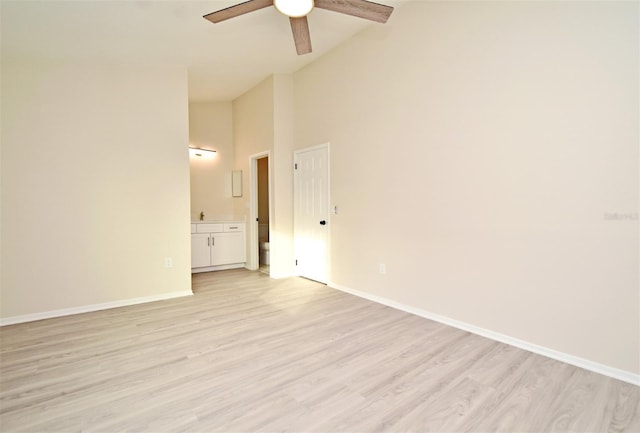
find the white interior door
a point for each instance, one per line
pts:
(311, 212)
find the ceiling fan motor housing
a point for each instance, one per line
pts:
(294, 8)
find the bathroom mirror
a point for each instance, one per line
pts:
(236, 183)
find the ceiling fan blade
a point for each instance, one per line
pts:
(300, 28)
(237, 10)
(358, 8)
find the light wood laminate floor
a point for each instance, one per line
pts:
(247, 354)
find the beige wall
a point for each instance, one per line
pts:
(95, 185)
(210, 127)
(263, 121)
(281, 235)
(476, 150)
(252, 134)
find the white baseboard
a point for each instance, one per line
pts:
(281, 276)
(89, 308)
(217, 268)
(606, 370)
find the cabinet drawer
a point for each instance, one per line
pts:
(194, 228)
(229, 227)
(209, 228)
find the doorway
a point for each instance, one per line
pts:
(260, 245)
(311, 212)
(264, 246)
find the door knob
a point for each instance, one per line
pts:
(323, 223)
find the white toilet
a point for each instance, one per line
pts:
(264, 253)
(263, 235)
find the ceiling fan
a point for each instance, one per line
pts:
(297, 11)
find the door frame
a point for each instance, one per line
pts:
(326, 146)
(253, 262)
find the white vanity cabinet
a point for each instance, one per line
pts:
(200, 250)
(216, 246)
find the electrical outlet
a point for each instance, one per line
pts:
(168, 262)
(382, 268)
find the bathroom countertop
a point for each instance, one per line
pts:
(218, 222)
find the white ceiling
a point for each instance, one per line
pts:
(224, 60)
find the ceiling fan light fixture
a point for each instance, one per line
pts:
(294, 8)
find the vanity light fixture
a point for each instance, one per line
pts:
(294, 8)
(201, 153)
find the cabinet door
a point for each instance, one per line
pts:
(227, 248)
(200, 250)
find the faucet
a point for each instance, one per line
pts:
(201, 216)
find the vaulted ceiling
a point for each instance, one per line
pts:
(223, 60)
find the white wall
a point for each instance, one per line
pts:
(210, 127)
(95, 185)
(477, 149)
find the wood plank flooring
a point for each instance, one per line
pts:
(248, 354)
